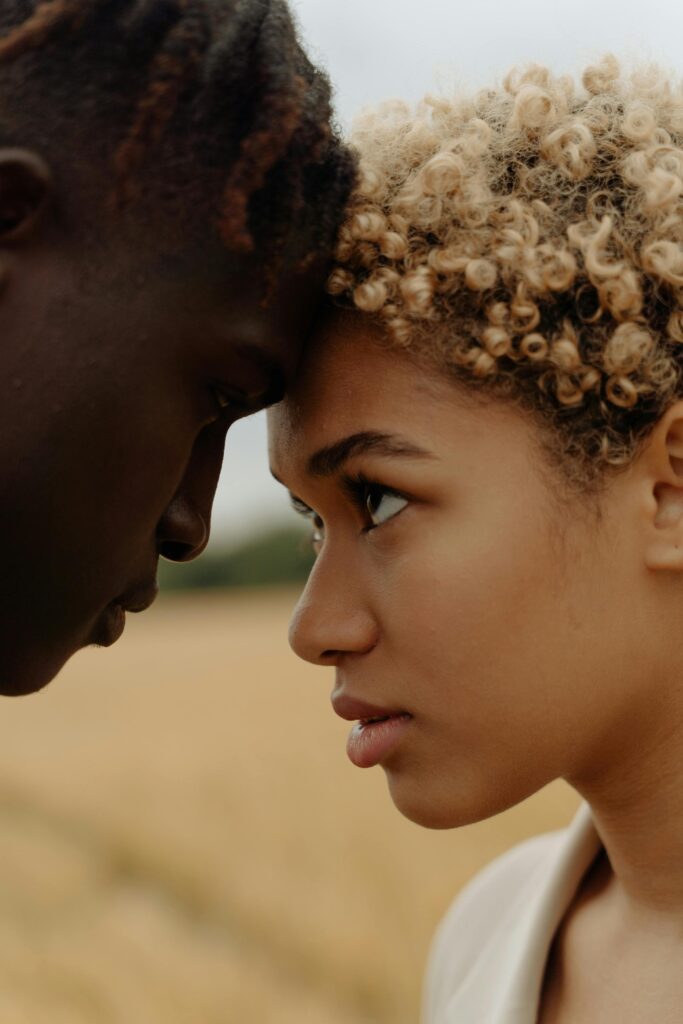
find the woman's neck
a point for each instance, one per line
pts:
(637, 804)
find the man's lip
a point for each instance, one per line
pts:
(358, 711)
(138, 599)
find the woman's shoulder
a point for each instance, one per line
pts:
(488, 903)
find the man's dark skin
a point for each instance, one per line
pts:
(120, 378)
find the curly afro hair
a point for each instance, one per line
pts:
(530, 239)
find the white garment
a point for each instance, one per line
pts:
(488, 958)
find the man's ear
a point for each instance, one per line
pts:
(26, 186)
(664, 462)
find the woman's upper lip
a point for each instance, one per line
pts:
(358, 711)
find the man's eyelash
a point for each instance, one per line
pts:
(235, 403)
(229, 401)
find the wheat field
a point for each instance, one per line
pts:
(182, 840)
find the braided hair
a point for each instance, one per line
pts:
(210, 107)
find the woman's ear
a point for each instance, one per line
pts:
(664, 458)
(26, 186)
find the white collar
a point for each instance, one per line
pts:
(504, 984)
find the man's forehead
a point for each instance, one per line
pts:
(219, 300)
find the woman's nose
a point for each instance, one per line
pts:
(185, 524)
(331, 619)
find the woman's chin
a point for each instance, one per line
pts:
(428, 808)
(443, 807)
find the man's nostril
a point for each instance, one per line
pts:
(175, 551)
(182, 531)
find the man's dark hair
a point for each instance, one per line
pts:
(207, 107)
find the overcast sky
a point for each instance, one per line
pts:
(378, 48)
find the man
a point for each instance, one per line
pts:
(169, 190)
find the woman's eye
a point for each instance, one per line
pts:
(317, 533)
(383, 504)
(317, 526)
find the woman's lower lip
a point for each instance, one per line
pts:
(111, 626)
(370, 742)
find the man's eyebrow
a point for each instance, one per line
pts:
(330, 459)
(275, 389)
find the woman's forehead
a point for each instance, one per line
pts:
(351, 385)
(350, 363)
(345, 356)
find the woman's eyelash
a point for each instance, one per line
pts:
(362, 493)
(359, 489)
(305, 510)
(299, 506)
(314, 520)
(356, 488)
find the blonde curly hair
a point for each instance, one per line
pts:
(530, 237)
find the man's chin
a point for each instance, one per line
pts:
(29, 675)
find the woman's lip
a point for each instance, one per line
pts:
(370, 743)
(376, 732)
(358, 711)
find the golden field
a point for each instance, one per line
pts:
(182, 840)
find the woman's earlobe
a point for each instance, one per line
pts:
(665, 550)
(26, 185)
(665, 554)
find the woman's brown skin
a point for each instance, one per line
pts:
(529, 638)
(115, 371)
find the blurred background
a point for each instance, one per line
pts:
(182, 840)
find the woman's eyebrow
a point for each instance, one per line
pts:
(330, 459)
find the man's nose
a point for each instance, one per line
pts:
(184, 527)
(332, 619)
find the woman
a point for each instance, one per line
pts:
(489, 442)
